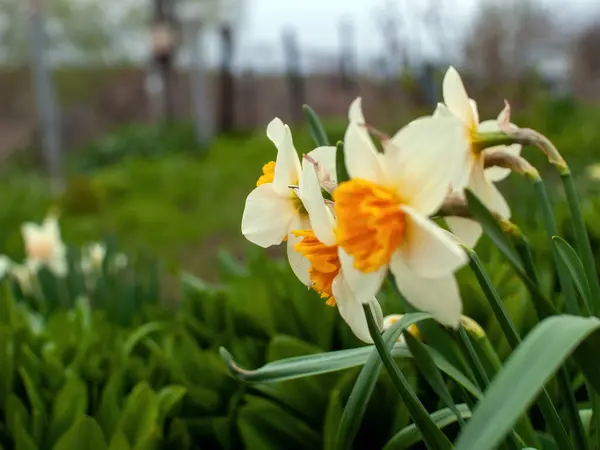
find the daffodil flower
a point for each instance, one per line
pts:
(92, 258)
(382, 213)
(474, 176)
(44, 246)
(318, 246)
(273, 209)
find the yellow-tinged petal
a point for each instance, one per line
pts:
(287, 166)
(424, 158)
(428, 250)
(468, 231)
(325, 157)
(320, 216)
(457, 100)
(361, 156)
(351, 309)
(439, 296)
(299, 264)
(485, 190)
(267, 216)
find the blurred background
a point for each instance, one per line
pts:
(144, 119)
(142, 122)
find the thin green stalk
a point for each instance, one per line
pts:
(584, 249)
(433, 437)
(481, 375)
(512, 336)
(572, 307)
(582, 240)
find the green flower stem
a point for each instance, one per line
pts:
(584, 249)
(433, 437)
(480, 373)
(582, 240)
(571, 306)
(512, 336)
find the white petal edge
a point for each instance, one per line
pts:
(325, 156)
(364, 285)
(267, 216)
(489, 194)
(428, 250)
(352, 310)
(457, 99)
(425, 158)
(439, 296)
(495, 174)
(299, 264)
(467, 231)
(321, 219)
(287, 165)
(361, 156)
(275, 131)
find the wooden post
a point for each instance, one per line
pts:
(45, 100)
(347, 56)
(226, 82)
(294, 74)
(163, 46)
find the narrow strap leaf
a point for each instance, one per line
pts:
(315, 126)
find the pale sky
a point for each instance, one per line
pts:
(317, 26)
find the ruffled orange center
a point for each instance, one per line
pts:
(324, 263)
(268, 173)
(370, 223)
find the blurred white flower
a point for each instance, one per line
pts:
(92, 257)
(25, 276)
(593, 171)
(318, 246)
(382, 213)
(5, 266)
(472, 174)
(44, 246)
(273, 208)
(391, 319)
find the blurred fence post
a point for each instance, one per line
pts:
(226, 81)
(163, 47)
(200, 98)
(348, 68)
(296, 84)
(45, 101)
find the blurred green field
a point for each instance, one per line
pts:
(150, 376)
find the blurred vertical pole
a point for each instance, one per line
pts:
(200, 99)
(45, 101)
(348, 62)
(163, 42)
(226, 81)
(294, 74)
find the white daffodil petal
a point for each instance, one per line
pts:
(456, 98)
(439, 296)
(364, 285)
(487, 192)
(320, 216)
(442, 110)
(325, 156)
(466, 230)
(428, 249)
(287, 165)
(352, 310)
(51, 228)
(299, 264)
(424, 158)
(275, 131)
(475, 111)
(361, 156)
(267, 216)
